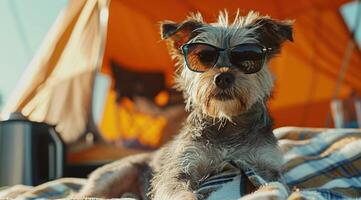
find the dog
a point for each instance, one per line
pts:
(223, 74)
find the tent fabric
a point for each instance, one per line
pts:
(57, 86)
(55, 91)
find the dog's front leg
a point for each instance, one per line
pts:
(115, 179)
(180, 174)
(170, 185)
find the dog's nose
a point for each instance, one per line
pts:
(224, 80)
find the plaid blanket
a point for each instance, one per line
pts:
(318, 164)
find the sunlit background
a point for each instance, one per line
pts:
(23, 30)
(105, 83)
(27, 21)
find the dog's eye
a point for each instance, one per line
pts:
(207, 56)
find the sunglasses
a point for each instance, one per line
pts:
(249, 58)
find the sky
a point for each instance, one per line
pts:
(24, 23)
(349, 11)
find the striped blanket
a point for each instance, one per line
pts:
(318, 164)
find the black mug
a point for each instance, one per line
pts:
(31, 153)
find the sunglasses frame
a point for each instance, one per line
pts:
(184, 50)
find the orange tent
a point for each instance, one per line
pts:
(306, 70)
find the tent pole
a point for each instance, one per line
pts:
(345, 61)
(91, 127)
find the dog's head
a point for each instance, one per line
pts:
(222, 66)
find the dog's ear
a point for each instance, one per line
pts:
(178, 34)
(273, 32)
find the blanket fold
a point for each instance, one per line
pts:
(318, 164)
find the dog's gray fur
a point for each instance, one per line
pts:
(217, 131)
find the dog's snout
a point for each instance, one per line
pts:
(224, 80)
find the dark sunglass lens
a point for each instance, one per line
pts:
(248, 58)
(207, 56)
(200, 57)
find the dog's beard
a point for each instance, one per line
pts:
(223, 109)
(221, 104)
(222, 95)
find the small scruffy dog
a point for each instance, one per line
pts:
(223, 74)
